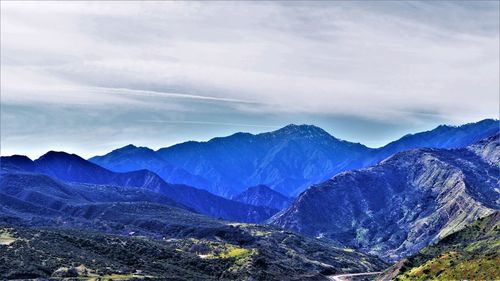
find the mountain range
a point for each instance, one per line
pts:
(74, 230)
(69, 229)
(287, 160)
(404, 203)
(133, 213)
(74, 169)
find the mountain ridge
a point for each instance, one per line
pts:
(289, 159)
(73, 168)
(399, 205)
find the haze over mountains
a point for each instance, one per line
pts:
(249, 140)
(288, 160)
(435, 184)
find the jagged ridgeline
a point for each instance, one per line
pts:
(288, 160)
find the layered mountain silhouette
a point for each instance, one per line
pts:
(38, 200)
(132, 158)
(287, 160)
(63, 228)
(262, 195)
(404, 203)
(391, 202)
(74, 169)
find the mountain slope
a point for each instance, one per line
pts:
(261, 195)
(72, 168)
(395, 208)
(288, 160)
(472, 253)
(488, 149)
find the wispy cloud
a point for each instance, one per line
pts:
(157, 94)
(414, 63)
(209, 123)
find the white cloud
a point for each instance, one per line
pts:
(383, 61)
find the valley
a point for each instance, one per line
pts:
(432, 204)
(323, 140)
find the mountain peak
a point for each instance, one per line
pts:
(301, 130)
(16, 162)
(59, 154)
(263, 195)
(130, 148)
(61, 158)
(17, 157)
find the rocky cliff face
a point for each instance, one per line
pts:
(488, 149)
(404, 203)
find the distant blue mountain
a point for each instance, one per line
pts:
(17, 162)
(73, 169)
(262, 195)
(288, 160)
(132, 158)
(33, 199)
(441, 137)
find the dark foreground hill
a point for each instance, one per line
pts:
(237, 252)
(404, 203)
(472, 253)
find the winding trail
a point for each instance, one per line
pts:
(344, 277)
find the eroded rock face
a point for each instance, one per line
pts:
(488, 149)
(402, 204)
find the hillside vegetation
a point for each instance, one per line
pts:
(245, 252)
(470, 254)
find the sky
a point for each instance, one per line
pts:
(89, 77)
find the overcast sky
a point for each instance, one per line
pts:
(90, 77)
